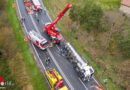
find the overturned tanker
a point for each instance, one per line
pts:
(84, 71)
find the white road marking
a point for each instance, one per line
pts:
(42, 22)
(96, 81)
(72, 88)
(58, 48)
(46, 11)
(83, 84)
(34, 24)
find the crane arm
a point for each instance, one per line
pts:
(60, 15)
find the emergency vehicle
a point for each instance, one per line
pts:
(38, 40)
(51, 29)
(28, 6)
(37, 5)
(55, 80)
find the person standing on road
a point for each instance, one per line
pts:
(37, 20)
(22, 20)
(36, 16)
(47, 61)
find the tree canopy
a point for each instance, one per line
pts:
(89, 16)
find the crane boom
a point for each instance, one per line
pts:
(60, 16)
(51, 29)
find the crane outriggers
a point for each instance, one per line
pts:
(51, 29)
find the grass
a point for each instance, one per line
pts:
(98, 69)
(59, 5)
(5, 73)
(109, 4)
(35, 77)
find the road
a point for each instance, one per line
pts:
(58, 62)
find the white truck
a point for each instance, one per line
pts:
(84, 71)
(38, 40)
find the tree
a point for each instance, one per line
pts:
(74, 13)
(90, 17)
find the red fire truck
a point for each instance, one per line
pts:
(28, 6)
(52, 31)
(38, 40)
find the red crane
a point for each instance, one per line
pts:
(52, 31)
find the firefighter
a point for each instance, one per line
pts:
(37, 20)
(47, 61)
(36, 16)
(63, 50)
(22, 20)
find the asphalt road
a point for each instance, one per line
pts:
(58, 62)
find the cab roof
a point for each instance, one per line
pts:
(36, 2)
(37, 36)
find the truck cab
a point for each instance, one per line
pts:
(38, 40)
(55, 80)
(85, 72)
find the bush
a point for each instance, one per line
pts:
(75, 13)
(124, 46)
(89, 16)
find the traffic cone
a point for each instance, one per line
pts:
(13, 5)
(25, 39)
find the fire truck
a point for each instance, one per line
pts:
(51, 29)
(37, 6)
(28, 6)
(84, 71)
(38, 40)
(55, 80)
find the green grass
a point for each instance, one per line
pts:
(35, 77)
(98, 69)
(109, 4)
